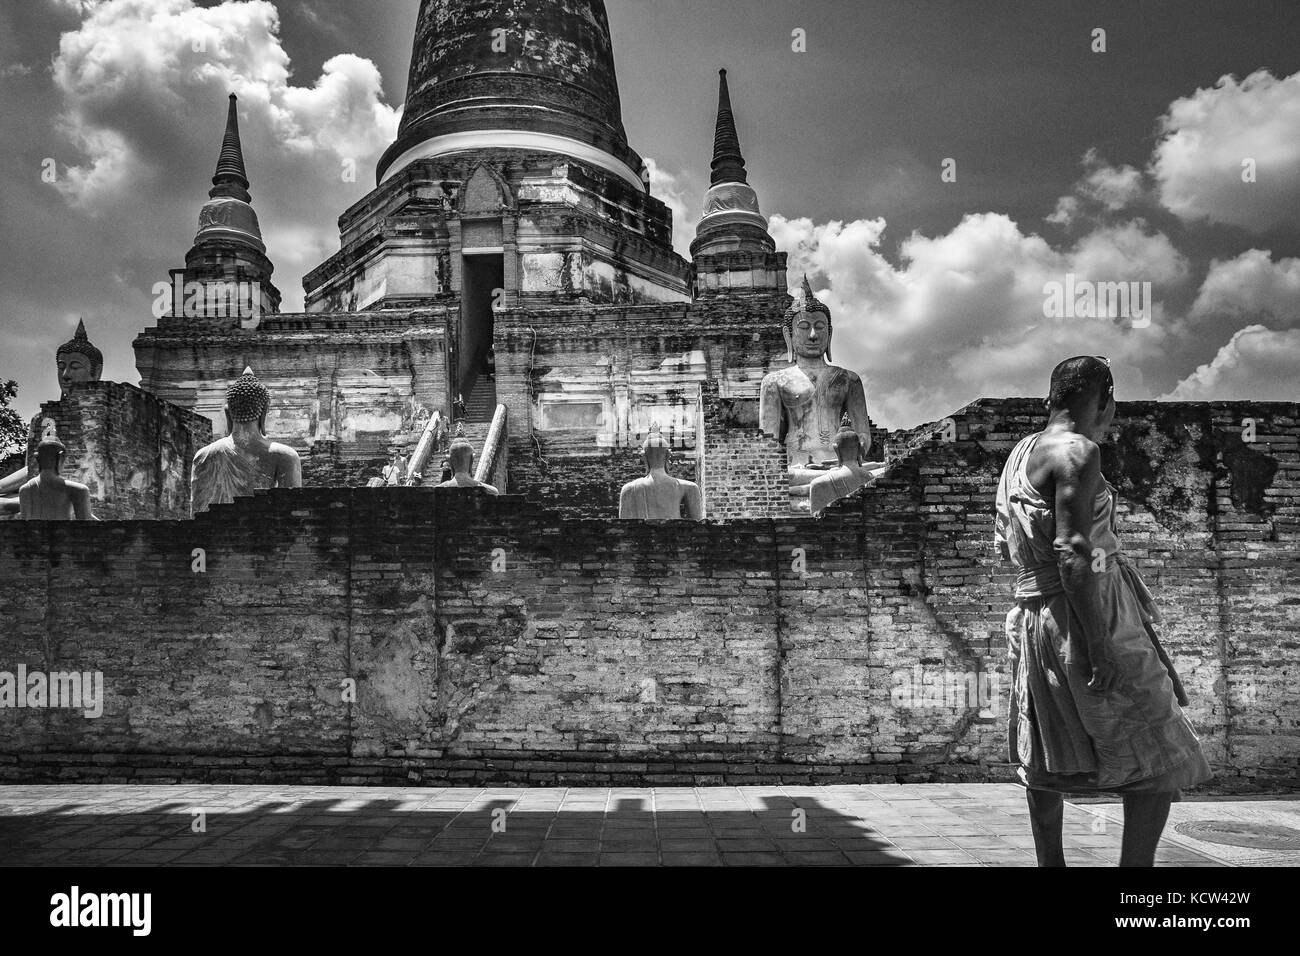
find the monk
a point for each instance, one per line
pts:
(1096, 704)
(49, 496)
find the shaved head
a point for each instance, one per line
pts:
(1079, 377)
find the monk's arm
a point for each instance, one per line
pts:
(1078, 480)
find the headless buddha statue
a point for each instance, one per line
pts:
(245, 461)
(659, 496)
(77, 361)
(49, 496)
(461, 456)
(853, 471)
(803, 404)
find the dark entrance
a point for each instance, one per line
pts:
(481, 278)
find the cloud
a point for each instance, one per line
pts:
(144, 85)
(961, 317)
(1204, 139)
(677, 192)
(1258, 364)
(1250, 287)
(1103, 187)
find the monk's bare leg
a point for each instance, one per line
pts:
(1046, 816)
(1145, 815)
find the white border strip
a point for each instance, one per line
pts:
(514, 139)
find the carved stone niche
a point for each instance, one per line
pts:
(486, 193)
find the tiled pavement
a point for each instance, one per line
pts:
(878, 825)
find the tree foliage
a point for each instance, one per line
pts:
(13, 430)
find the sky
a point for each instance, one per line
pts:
(1065, 163)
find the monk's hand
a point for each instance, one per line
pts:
(1104, 674)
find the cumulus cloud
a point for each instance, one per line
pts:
(677, 192)
(144, 86)
(962, 317)
(1204, 139)
(1102, 187)
(1250, 287)
(1257, 364)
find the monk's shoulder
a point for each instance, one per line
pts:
(1069, 452)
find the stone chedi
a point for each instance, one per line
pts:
(77, 361)
(461, 455)
(659, 496)
(853, 471)
(803, 404)
(245, 461)
(49, 496)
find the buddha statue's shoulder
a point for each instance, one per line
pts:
(222, 446)
(282, 452)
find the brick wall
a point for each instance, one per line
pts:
(131, 448)
(496, 640)
(743, 470)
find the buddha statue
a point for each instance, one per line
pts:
(852, 472)
(803, 404)
(78, 360)
(245, 461)
(659, 496)
(49, 496)
(461, 456)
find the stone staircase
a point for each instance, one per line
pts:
(481, 402)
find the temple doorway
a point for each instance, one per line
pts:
(482, 275)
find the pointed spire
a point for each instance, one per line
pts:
(728, 163)
(231, 179)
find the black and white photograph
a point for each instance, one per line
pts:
(661, 436)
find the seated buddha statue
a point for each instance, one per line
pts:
(461, 457)
(852, 472)
(804, 403)
(49, 496)
(77, 360)
(659, 496)
(245, 461)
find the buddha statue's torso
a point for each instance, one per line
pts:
(812, 400)
(226, 470)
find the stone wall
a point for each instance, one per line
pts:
(742, 470)
(132, 449)
(495, 640)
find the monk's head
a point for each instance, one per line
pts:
(809, 322)
(1084, 386)
(461, 453)
(247, 400)
(49, 454)
(655, 449)
(78, 360)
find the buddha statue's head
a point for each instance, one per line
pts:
(461, 453)
(78, 360)
(848, 443)
(49, 454)
(809, 323)
(247, 400)
(655, 449)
